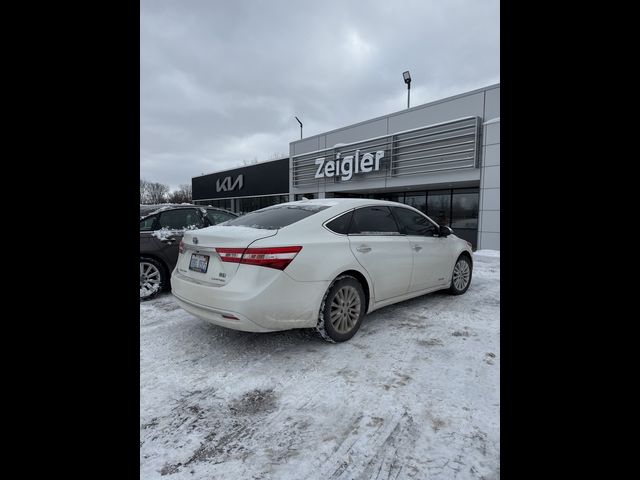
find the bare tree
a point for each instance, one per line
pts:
(186, 188)
(156, 193)
(181, 195)
(143, 190)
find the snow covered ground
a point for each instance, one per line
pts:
(415, 394)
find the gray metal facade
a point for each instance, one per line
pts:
(450, 143)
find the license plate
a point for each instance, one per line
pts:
(199, 263)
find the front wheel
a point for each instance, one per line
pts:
(342, 310)
(461, 278)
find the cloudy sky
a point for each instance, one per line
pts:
(221, 80)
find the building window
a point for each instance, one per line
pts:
(464, 209)
(390, 197)
(245, 205)
(348, 195)
(417, 201)
(225, 203)
(309, 196)
(439, 206)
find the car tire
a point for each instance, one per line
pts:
(342, 310)
(461, 276)
(153, 278)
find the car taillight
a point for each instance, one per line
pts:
(272, 257)
(181, 247)
(232, 255)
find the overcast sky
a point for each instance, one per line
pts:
(221, 81)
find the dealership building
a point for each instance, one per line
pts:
(442, 158)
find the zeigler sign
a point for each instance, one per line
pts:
(350, 165)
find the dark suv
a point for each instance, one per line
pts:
(149, 209)
(160, 234)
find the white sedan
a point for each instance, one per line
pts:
(319, 264)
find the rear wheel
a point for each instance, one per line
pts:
(152, 278)
(461, 278)
(342, 310)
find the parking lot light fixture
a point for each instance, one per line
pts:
(407, 79)
(300, 127)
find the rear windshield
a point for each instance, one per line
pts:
(276, 217)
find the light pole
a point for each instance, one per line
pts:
(300, 127)
(407, 79)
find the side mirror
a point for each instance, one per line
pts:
(445, 231)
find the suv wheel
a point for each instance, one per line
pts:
(152, 278)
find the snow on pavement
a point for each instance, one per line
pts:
(415, 394)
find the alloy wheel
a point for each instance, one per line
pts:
(150, 279)
(345, 309)
(461, 274)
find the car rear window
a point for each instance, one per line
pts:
(272, 218)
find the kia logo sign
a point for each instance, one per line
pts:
(226, 185)
(349, 165)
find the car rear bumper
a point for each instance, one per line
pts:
(277, 302)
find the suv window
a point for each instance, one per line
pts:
(272, 218)
(341, 224)
(181, 219)
(147, 224)
(413, 223)
(373, 221)
(215, 217)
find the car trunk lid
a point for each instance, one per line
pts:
(200, 259)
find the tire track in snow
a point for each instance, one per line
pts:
(360, 455)
(366, 454)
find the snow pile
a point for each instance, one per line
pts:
(164, 233)
(487, 253)
(147, 290)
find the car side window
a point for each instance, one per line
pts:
(414, 223)
(341, 224)
(181, 219)
(215, 217)
(373, 221)
(147, 224)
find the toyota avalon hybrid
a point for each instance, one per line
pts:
(319, 264)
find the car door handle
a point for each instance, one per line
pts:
(417, 248)
(363, 249)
